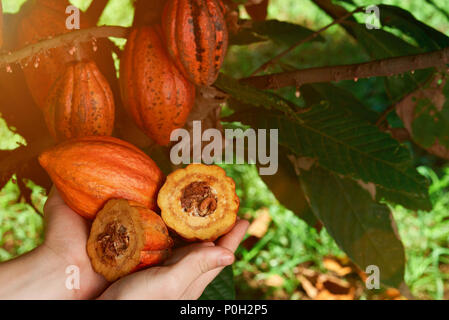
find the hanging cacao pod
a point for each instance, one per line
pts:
(89, 171)
(197, 37)
(41, 20)
(80, 103)
(155, 93)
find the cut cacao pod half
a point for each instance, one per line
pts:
(125, 238)
(89, 171)
(199, 202)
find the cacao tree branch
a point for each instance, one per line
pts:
(66, 39)
(310, 37)
(378, 68)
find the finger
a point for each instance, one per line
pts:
(231, 241)
(180, 253)
(197, 263)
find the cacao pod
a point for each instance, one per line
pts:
(155, 93)
(80, 103)
(41, 20)
(125, 238)
(199, 202)
(89, 171)
(197, 37)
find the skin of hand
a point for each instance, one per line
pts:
(41, 273)
(185, 275)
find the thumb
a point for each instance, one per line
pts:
(201, 261)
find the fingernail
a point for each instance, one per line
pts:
(226, 260)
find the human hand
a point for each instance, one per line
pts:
(41, 273)
(185, 275)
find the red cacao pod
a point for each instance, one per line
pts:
(44, 19)
(89, 171)
(155, 93)
(80, 103)
(197, 37)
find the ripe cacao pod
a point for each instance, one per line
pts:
(125, 238)
(43, 19)
(80, 103)
(197, 37)
(89, 171)
(155, 93)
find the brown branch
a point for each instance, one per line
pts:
(378, 68)
(310, 37)
(83, 35)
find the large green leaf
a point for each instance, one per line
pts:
(280, 32)
(253, 96)
(361, 227)
(346, 145)
(222, 288)
(380, 44)
(287, 189)
(426, 36)
(339, 97)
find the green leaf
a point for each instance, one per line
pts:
(280, 32)
(253, 96)
(287, 189)
(361, 227)
(339, 97)
(283, 32)
(222, 288)
(344, 144)
(426, 36)
(380, 44)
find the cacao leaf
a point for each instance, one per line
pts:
(361, 227)
(346, 145)
(222, 288)
(258, 11)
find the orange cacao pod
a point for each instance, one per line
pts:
(80, 103)
(197, 37)
(155, 93)
(44, 19)
(125, 238)
(89, 171)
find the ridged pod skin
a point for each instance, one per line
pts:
(89, 171)
(80, 103)
(43, 19)
(125, 238)
(199, 202)
(155, 93)
(197, 37)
